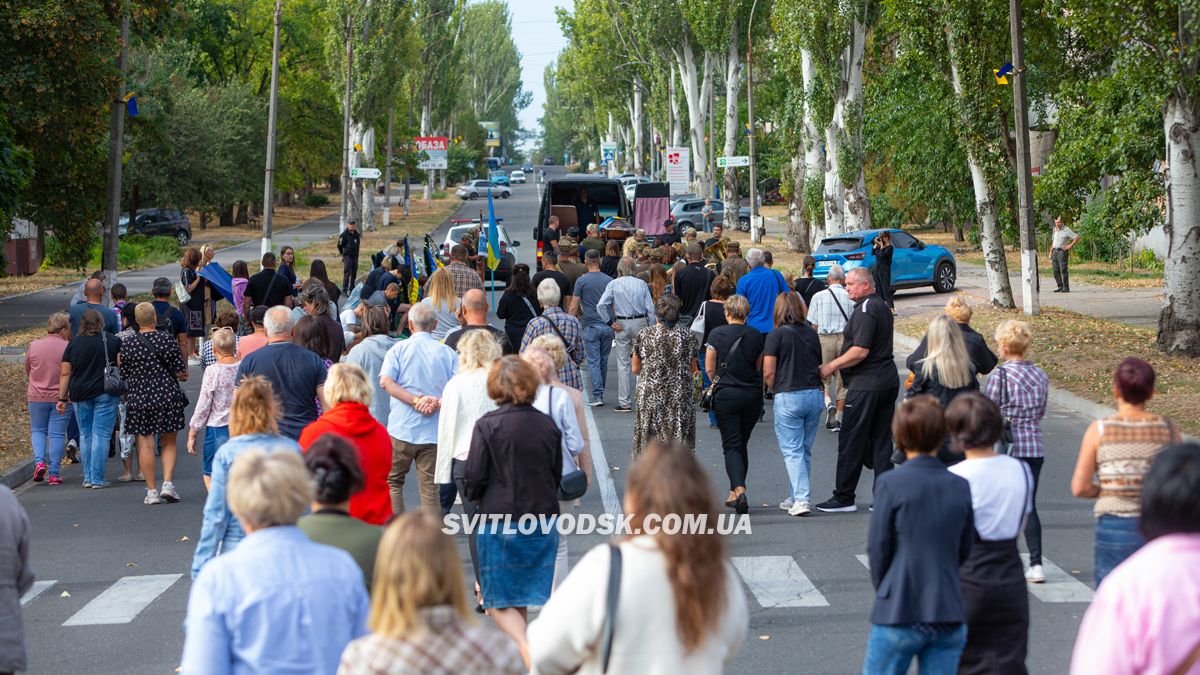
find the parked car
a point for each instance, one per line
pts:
(499, 178)
(914, 263)
(548, 161)
(517, 176)
(158, 223)
(527, 167)
(630, 184)
(686, 213)
(454, 236)
(744, 219)
(474, 189)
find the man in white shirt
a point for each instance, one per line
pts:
(626, 307)
(828, 314)
(1063, 239)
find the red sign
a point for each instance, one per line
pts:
(427, 143)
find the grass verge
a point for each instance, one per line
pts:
(14, 427)
(1080, 353)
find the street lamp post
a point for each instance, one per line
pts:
(756, 229)
(346, 121)
(269, 178)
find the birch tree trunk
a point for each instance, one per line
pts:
(676, 123)
(834, 195)
(1179, 321)
(733, 80)
(639, 150)
(696, 85)
(365, 136)
(798, 230)
(857, 207)
(426, 125)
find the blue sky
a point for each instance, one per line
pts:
(539, 40)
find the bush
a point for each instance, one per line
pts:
(439, 194)
(137, 250)
(315, 200)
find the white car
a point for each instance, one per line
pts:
(455, 233)
(630, 184)
(474, 189)
(517, 176)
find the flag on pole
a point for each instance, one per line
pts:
(432, 263)
(492, 243)
(414, 288)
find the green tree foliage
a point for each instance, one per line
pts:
(492, 85)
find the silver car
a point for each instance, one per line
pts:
(474, 189)
(686, 213)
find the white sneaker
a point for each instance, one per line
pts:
(151, 498)
(785, 504)
(800, 509)
(168, 493)
(1035, 575)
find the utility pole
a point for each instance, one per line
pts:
(756, 228)
(1029, 270)
(387, 173)
(116, 138)
(346, 121)
(269, 179)
(712, 144)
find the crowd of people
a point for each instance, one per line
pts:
(318, 402)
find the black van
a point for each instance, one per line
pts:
(561, 197)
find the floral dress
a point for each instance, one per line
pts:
(155, 402)
(665, 393)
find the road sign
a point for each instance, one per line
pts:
(608, 152)
(738, 160)
(434, 151)
(363, 172)
(493, 134)
(677, 160)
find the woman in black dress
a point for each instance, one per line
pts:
(193, 309)
(882, 274)
(806, 285)
(518, 305)
(612, 257)
(153, 366)
(317, 271)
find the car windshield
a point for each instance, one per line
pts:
(839, 244)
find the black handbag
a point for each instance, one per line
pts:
(114, 384)
(708, 396)
(1005, 444)
(574, 483)
(162, 361)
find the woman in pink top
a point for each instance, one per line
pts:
(216, 397)
(241, 278)
(47, 427)
(1145, 618)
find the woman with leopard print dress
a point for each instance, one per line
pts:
(664, 359)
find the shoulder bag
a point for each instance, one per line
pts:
(1005, 444)
(611, 601)
(698, 322)
(708, 396)
(574, 483)
(181, 291)
(833, 296)
(114, 384)
(162, 361)
(566, 343)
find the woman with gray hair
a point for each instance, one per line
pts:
(278, 598)
(664, 359)
(554, 321)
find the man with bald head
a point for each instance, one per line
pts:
(473, 316)
(872, 383)
(297, 375)
(93, 298)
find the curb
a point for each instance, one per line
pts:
(18, 475)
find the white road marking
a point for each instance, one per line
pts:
(122, 601)
(864, 559)
(1059, 586)
(601, 471)
(37, 589)
(777, 581)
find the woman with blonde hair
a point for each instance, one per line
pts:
(980, 354)
(440, 297)
(419, 618)
(349, 394)
(280, 601)
(681, 608)
(734, 361)
(252, 426)
(47, 426)
(216, 396)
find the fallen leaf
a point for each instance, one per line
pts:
(65, 595)
(764, 637)
(131, 564)
(183, 538)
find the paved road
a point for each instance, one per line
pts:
(125, 565)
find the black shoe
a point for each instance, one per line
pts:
(1058, 290)
(1066, 290)
(834, 506)
(731, 502)
(742, 505)
(836, 428)
(623, 408)
(831, 417)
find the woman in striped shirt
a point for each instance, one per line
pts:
(1113, 460)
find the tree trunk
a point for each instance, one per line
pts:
(335, 184)
(1179, 322)
(857, 206)
(676, 122)
(695, 94)
(639, 122)
(242, 214)
(365, 137)
(834, 195)
(226, 216)
(798, 231)
(204, 216)
(426, 125)
(733, 80)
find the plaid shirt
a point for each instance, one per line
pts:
(825, 314)
(450, 646)
(464, 278)
(572, 332)
(1023, 402)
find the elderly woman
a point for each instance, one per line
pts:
(225, 320)
(154, 405)
(253, 425)
(417, 601)
(337, 477)
(515, 445)
(216, 396)
(349, 394)
(734, 359)
(47, 426)
(554, 321)
(279, 598)
(81, 382)
(368, 354)
(981, 355)
(664, 359)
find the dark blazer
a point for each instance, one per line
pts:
(981, 355)
(933, 386)
(921, 531)
(515, 462)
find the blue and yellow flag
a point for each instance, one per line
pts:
(414, 288)
(432, 262)
(491, 243)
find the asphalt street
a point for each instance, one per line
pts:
(113, 573)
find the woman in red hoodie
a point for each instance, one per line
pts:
(349, 416)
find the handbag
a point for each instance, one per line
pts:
(114, 384)
(611, 601)
(162, 361)
(1005, 444)
(574, 483)
(709, 395)
(698, 322)
(181, 291)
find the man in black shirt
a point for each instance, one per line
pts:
(872, 384)
(718, 231)
(585, 210)
(268, 288)
(474, 312)
(347, 246)
(692, 283)
(551, 236)
(670, 236)
(550, 271)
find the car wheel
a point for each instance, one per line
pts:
(944, 277)
(183, 237)
(744, 224)
(504, 195)
(474, 195)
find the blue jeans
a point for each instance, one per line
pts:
(797, 414)
(597, 344)
(712, 416)
(890, 650)
(96, 420)
(1117, 538)
(214, 438)
(48, 432)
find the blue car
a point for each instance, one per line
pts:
(499, 178)
(914, 263)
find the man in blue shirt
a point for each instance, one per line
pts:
(597, 336)
(93, 298)
(761, 285)
(297, 375)
(414, 373)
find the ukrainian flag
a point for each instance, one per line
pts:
(492, 244)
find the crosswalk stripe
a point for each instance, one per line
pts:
(37, 589)
(777, 581)
(1059, 586)
(122, 601)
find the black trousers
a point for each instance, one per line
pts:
(865, 439)
(737, 412)
(1033, 526)
(1059, 263)
(349, 273)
